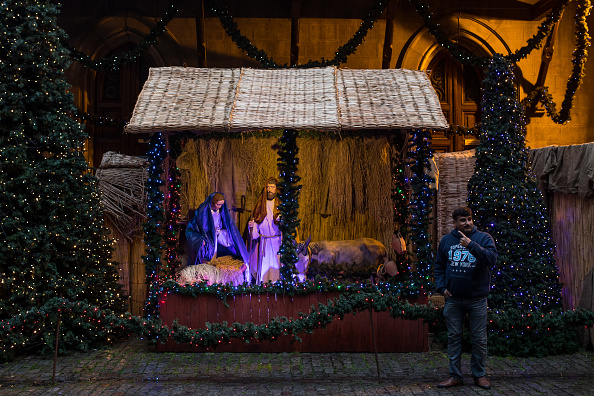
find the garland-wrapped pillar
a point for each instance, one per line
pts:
(400, 198)
(289, 197)
(421, 206)
(171, 228)
(154, 210)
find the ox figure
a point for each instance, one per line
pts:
(362, 252)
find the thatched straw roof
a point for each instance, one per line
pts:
(208, 99)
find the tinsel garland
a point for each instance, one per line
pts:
(289, 198)
(152, 235)
(341, 55)
(580, 55)
(115, 61)
(420, 206)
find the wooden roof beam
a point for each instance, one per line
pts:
(539, 9)
(547, 54)
(295, 15)
(200, 35)
(388, 38)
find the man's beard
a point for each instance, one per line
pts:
(270, 196)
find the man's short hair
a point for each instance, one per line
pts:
(217, 197)
(460, 212)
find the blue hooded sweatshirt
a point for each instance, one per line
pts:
(465, 271)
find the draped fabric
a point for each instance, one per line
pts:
(201, 234)
(565, 169)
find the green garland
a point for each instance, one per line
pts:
(289, 288)
(468, 57)
(289, 198)
(420, 207)
(217, 333)
(99, 326)
(341, 55)
(115, 61)
(580, 55)
(462, 130)
(98, 120)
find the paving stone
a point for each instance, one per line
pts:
(133, 368)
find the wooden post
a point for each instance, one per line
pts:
(295, 14)
(200, 36)
(56, 348)
(389, 35)
(374, 345)
(536, 109)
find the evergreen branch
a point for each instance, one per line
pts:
(341, 55)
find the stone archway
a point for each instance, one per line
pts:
(422, 52)
(106, 37)
(472, 33)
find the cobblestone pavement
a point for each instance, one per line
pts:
(132, 368)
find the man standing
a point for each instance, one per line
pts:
(462, 274)
(264, 231)
(212, 233)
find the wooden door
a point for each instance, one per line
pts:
(458, 89)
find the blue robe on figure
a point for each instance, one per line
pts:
(201, 235)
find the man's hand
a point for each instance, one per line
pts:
(447, 294)
(251, 223)
(464, 240)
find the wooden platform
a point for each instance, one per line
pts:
(351, 334)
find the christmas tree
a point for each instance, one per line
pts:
(508, 204)
(54, 250)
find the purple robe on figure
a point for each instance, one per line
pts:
(201, 235)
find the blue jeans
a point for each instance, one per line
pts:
(454, 311)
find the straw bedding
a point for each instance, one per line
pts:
(223, 270)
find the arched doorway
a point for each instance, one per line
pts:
(116, 92)
(458, 87)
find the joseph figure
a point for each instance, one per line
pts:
(265, 234)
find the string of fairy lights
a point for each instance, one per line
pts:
(99, 323)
